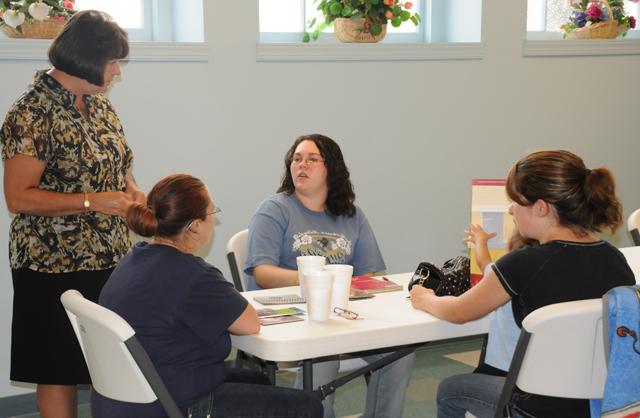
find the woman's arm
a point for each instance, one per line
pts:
(479, 237)
(22, 175)
(475, 303)
(268, 276)
(133, 190)
(247, 323)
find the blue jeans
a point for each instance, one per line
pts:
(385, 392)
(247, 393)
(475, 392)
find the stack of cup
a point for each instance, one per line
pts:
(318, 286)
(308, 263)
(342, 274)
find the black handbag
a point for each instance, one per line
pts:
(453, 278)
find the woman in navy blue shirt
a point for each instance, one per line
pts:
(183, 310)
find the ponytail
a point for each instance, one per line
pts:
(603, 209)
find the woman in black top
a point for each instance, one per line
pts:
(560, 203)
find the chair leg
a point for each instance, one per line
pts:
(240, 358)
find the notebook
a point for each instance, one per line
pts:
(370, 284)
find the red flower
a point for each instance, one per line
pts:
(408, 5)
(68, 4)
(632, 22)
(594, 13)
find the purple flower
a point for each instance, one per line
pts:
(579, 18)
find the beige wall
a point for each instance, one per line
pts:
(414, 134)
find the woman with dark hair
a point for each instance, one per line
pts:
(314, 213)
(67, 177)
(561, 204)
(183, 310)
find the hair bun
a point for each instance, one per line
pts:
(142, 220)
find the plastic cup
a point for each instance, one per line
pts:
(308, 263)
(342, 274)
(318, 287)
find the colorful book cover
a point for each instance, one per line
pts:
(489, 209)
(370, 284)
(271, 312)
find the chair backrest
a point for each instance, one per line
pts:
(632, 254)
(119, 366)
(560, 353)
(236, 256)
(633, 225)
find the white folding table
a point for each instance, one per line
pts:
(389, 321)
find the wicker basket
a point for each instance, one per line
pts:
(353, 30)
(601, 30)
(46, 29)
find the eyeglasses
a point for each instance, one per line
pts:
(345, 313)
(216, 209)
(309, 162)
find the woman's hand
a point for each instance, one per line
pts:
(420, 297)
(138, 197)
(111, 203)
(477, 235)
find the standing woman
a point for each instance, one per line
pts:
(562, 204)
(67, 177)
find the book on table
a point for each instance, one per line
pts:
(271, 316)
(370, 284)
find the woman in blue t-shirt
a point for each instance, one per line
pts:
(314, 213)
(183, 310)
(562, 204)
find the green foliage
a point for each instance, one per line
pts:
(375, 12)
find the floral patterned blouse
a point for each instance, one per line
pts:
(80, 155)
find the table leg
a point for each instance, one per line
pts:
(270, 370)
(307, 375)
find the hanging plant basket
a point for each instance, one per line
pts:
(354, 30)
(45, 29)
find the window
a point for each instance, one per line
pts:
(548, 15)
(442, 21)
(154, 20)
(132, 15)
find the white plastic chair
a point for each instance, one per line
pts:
(236, 256)
(119, 366)
(632, 254)
(633, 225)
(560, 353)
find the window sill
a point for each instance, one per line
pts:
(36, 49)
(275, 52)
(597, 47)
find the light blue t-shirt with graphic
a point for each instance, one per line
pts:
(283, 229)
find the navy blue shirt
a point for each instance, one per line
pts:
(181, 308)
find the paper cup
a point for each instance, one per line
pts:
(318, 287)
(342, 274)
(308, 263)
